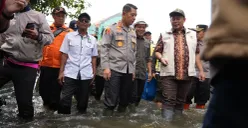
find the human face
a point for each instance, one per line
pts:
(83, 23)
(148, 36)
(177, 22)
(129, 17)
(59, 18)
(200, 35)
(140, 29)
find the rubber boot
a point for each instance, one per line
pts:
(167, 114)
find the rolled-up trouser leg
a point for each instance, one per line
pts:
(69, 88)
(112, 89)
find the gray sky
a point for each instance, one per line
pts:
(154, 12)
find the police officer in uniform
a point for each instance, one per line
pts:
(200, 90)
(118, 61)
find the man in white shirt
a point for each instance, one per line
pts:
(78, 66)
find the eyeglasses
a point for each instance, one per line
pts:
(84, 20)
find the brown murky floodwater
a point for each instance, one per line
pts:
(147, 116)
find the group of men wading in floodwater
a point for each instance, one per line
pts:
(70, 60)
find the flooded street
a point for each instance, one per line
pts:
(147, 116)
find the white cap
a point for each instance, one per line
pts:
(141, 22)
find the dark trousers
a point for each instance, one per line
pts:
(72, 86)
(174, 92)
(118, 88)
(200, 91)
(99, 86)
(227, 108)
(23, 79)
(138, 88)
(158, 97)
(49, 88)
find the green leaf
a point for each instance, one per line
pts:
(46, 6)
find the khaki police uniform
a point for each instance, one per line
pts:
(200, 90)
(118, 54)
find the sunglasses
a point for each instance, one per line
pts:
(84, 21)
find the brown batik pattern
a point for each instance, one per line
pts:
(181, 53)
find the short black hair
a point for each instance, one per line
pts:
(148, 32)
(84, 15)
(96, 37)
(128, 7)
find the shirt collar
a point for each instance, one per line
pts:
(120, 25)
(175, 31)
(53, 26)
(76, 33)
(171, 31)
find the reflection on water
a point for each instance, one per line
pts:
(147, 116)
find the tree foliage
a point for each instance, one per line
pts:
(46, 6)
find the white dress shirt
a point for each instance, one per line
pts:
(80, 50)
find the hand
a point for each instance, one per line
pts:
(164, 61)
(12, 6)
(32, 34)
(107, 74)
(61, 78)
(150, 76)
(201, 76)
(154, 75)
(133, 77)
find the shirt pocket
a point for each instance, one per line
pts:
(88, 49)
(74, 48)
(119, 41)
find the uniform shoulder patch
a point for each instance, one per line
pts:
(107, 31)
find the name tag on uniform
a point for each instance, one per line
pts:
(119, 37)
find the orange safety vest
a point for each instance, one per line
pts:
(51, 54)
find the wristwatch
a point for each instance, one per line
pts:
(7, 17)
